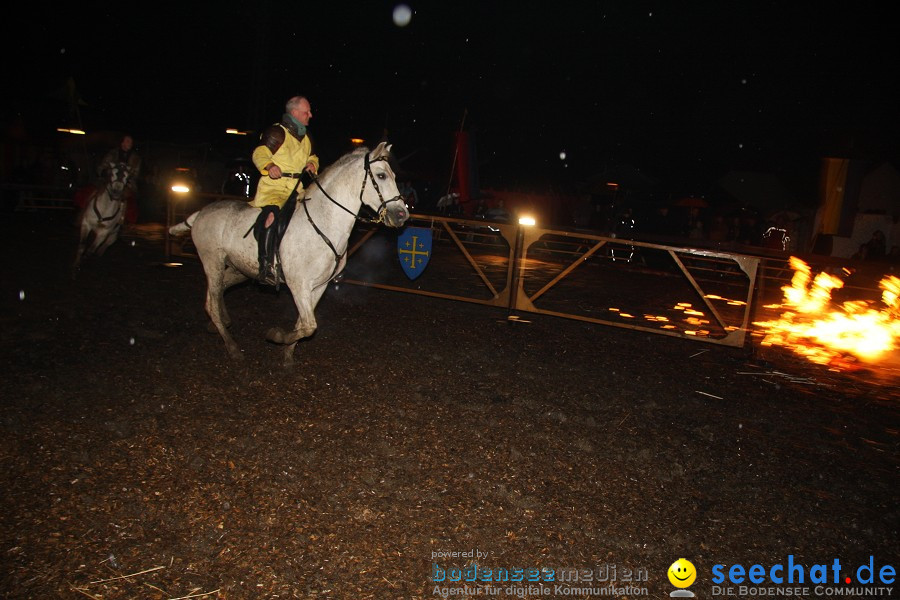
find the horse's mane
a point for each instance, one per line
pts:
(342, 161)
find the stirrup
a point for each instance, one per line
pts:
(264, 273)
(269, 274)
(277, 277)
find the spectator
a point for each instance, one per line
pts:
(877, 246)
(498, 213)
(409, 195)
(718, 231)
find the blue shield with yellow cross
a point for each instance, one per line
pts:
(414, 248)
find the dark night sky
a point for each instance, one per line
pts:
(683, 91)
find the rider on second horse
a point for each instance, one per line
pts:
(285, 159)
(123, 154)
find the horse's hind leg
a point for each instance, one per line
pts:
(230, 277)
(215, 304)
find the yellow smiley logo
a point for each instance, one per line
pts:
(682, 573)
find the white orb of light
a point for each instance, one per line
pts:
(562, 155)
(402, 15)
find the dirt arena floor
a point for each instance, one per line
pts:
(414, 439)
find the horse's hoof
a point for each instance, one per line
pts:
(211, 327)
(275, 335)
(235, 353)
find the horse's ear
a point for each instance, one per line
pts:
(382, 149)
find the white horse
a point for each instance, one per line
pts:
(313, 248)
(101, 219)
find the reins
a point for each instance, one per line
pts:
(382, 208)
(118, 201)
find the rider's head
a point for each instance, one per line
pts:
(127, 143)
(299, 108)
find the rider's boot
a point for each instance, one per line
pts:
(266, 252)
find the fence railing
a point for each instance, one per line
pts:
(28, 198)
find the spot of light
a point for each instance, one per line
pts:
(21, 294)
(562, 155)
(402, 15)
(131, 341)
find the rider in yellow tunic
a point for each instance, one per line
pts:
(283, 156)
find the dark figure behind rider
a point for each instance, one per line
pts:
(283, 157)
(123, 154)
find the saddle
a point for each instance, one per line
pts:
(284, 218)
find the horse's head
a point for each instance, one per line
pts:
(117, 179)
(379, 191)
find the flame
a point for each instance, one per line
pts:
(814, 327)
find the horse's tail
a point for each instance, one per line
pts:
(184, 227)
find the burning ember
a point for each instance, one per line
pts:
(814, 327)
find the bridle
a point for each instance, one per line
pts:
(368, 176)
(119, 198)
(379, 218)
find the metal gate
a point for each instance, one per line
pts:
(676, 291)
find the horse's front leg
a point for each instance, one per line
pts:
(82, 246)
(108, 240)
(305, 326)
(288, 357)
(101, 234)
